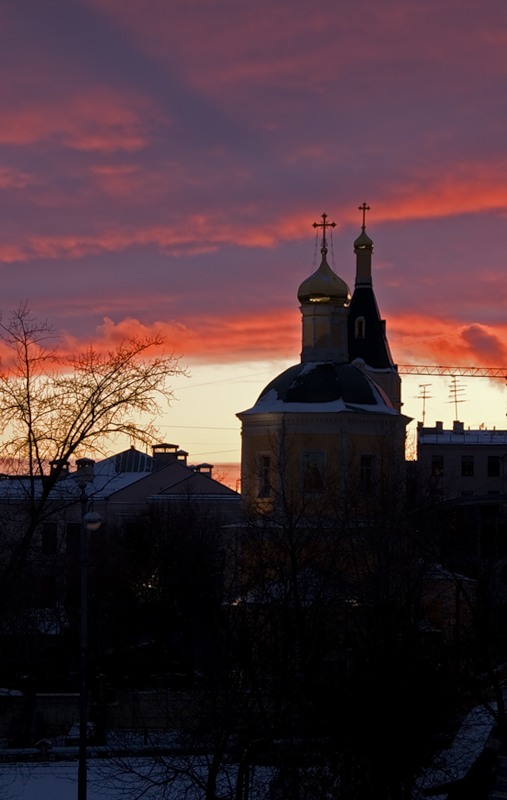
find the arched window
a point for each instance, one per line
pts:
(360, 328)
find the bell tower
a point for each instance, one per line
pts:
(367, 337)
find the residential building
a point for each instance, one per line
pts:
(462, 482)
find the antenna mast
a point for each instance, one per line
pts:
(455, 392)
(424, 396)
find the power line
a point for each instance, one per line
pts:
(197, 428)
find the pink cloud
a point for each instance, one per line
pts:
(476, 189)
(94, 120)
(295, 47)
(462, 188)
(11, 178)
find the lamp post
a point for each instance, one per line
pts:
(90, 521)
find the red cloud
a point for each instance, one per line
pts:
(207, 339)
(97, 119)
(419, 339)
(414, 339)
(460, 189)
(276, 334)
(477, 188)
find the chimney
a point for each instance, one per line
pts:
(59, 467)
(204, 469)
(164, 454)
(84, 471)
(458, 426)
(182, 456)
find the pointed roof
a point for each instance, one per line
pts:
(367, 338)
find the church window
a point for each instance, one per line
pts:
(73, 538)
(46, 591)
(264, 476)
(367, 475)
(437, 466)
(360, 328)
(467, 466)
(313, 471)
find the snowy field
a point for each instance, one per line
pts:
(49, 781)
(58, 781)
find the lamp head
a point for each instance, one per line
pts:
(92, 521)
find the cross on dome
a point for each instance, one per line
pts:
(324, 224)
(364, 208)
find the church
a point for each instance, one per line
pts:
(329, 430)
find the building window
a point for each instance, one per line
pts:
(49, 539)
(313, 472)
(493, 466)
(437, 466)
(367, 476)
(467, 466)
(264, 476)
(360, 328)
(73, 538)
(47, 592)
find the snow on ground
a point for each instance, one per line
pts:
(58, 781)
(453, 764)
(47, 781)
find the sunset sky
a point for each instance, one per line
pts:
(162, 163)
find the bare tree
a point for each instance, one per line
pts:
(55, 407)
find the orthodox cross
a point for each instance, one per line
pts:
(364, 208)
(324, 224)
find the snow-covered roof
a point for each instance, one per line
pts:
(112, 475)
(322, 387)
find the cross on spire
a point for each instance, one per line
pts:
(364, 208)
(324, 224)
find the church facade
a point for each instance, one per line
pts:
(328, 432)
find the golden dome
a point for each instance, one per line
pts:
(324, 286)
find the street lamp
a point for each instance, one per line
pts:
(90, 521)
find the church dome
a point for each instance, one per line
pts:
(363, 242)
(324, 382)
(324, 286)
